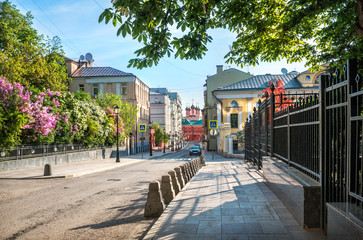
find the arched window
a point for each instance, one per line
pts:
(234, 104)
(307, 78)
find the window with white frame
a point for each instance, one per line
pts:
(123, 88)
(81, 87)
(95, 90)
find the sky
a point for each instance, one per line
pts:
(76, 23)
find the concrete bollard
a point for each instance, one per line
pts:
(47, 170)
(190, 174)
(167, 189)
(179, 177)
(195, 162)
(184, 174)
(175, 182)
(192, 166)
(154, 206)
(186, 171)
(199, 162)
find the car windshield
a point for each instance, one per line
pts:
(195, 147)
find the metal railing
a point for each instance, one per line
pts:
(33, 150)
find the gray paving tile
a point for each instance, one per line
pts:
(272, 226)
(241, 228)
(209, 228)
(264, 236)
(232, 219)
(235, 237)
(199, 237)
(232, 211)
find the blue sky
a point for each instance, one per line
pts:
(76, 23)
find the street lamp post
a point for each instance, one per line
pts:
(150, 143)
(117, 111)
(164, 141)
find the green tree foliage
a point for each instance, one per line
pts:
(155, 125)
(26, 57)
(158, 136)
(165, 138)
(128, 113)
(266, 30)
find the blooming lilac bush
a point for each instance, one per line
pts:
(36, 116)
(14, 110)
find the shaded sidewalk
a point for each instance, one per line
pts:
(228, 199)
(76, 169)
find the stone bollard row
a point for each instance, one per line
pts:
(171, 185)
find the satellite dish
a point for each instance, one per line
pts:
(81, 57)
(89, 57)
(284, 70)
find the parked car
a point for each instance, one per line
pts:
(195, 150)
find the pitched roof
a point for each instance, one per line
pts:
(261, 82)
(99, 72)
(185, 122)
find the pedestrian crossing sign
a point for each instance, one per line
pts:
(142, 127)
(213, 124)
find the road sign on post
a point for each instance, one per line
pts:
(213, 124)
(142, 127)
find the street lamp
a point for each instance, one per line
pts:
(117, 111)
(150, 143)
(164, 141)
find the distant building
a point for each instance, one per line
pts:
(102, 80)
(193, 124)
(166, 109)
(220, 79)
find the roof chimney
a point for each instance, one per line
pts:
(219, 69)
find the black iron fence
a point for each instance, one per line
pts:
(319, 134)
(28, 151)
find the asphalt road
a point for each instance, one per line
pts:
(105, 205)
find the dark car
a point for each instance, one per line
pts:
(195, 150)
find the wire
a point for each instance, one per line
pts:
(45, 26)
(99, 5)
(183, 69)
(57, 28)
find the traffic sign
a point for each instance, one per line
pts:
(142, 127)
(214, 132)
(213, 124)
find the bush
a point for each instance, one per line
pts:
(43, 116)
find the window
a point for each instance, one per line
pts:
(234, 104)
(234, 120)
(81, 87)
(307, 79)
(94, 90)
(123, 88)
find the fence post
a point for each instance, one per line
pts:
(272, 111)
(288, 136)
(322, 163)
(255, 133)
(259, 135)
(266, 124)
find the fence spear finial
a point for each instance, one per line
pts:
(272, 87)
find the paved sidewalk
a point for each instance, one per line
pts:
(76, 169)
(228, 199)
